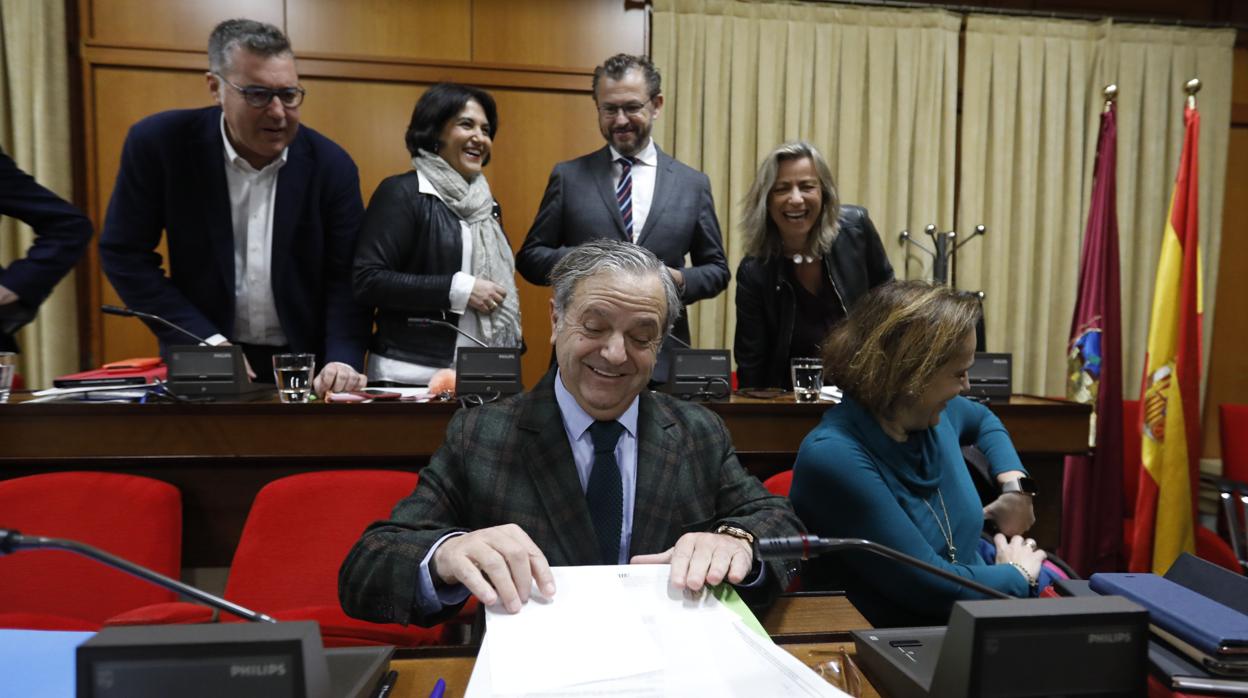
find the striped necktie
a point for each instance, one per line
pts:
(605, 491)
(624, 194)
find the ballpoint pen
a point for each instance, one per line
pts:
(386, 685)
(438, 689)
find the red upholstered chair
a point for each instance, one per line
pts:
(1233, 485)
(1212, 548)
(1234, 430)
(137, 518)
(779, 483)
(297, 534)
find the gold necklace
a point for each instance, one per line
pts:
(953, 550)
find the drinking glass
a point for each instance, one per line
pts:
(293, 374)
(807, 379)
(8, 365)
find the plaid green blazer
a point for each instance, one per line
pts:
(510, 462)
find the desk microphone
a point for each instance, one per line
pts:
(806, 547)
(127, 312)
(429, 322)
(679, 341)
(12, 541)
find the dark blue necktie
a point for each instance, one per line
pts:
(605, 493)
(624, 194)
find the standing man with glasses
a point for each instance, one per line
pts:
(260, 217)
(632, 191)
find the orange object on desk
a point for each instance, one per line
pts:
(125, 372)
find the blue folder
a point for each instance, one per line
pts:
(1214, 629)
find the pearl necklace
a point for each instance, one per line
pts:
(800, 258)
(953, 550)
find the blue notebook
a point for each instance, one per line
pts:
(1176, 611)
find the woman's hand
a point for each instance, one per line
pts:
(1013, 513)
(1021, 551)
(486, 296)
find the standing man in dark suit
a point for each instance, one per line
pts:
(260, 217)
(632, 191)
(61, 234)
(587, 468)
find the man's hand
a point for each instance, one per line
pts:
(497, 564)
(339, 378)
(7, 296)
(698, 559)
(1013, 513)
(678, 277)
(486, 296)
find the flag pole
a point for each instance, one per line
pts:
(1111, 95)
(1191, 87)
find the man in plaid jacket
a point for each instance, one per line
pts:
(532, 481)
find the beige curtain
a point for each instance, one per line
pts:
(1150, 65)
(1032, 96)
(34, 130)
(875, 90)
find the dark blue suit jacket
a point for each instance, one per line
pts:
(61, 234)
(172, 178)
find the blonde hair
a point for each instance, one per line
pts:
(894, 340)
(762, 240)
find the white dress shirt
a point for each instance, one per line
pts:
(645, 168)
(253, 194)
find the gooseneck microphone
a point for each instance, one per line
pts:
(806, 547)
(429, 322)
(679, 341)
(126, 312)
(12, 541)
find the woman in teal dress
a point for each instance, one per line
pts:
(886, 464)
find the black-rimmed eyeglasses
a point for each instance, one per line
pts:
(261, 97)
(630, 110)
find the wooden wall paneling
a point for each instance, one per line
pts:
(1228, 363)
(569, 33)
(123, 96)
(362, 68)
(368, 119)
(439, 29)
(177, 24)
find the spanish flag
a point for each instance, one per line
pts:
(1170, 395)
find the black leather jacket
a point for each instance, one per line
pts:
(409, 249)
(766, 305)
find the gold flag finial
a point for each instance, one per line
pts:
(1111, 94)
(1191, 87)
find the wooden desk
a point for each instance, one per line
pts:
(399, 432)
(220, 454)
(792, 622)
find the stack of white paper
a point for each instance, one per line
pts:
(623, 631)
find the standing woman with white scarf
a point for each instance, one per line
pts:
(432, 244)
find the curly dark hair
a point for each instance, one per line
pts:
(616, 66)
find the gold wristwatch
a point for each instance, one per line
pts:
(735, 532)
